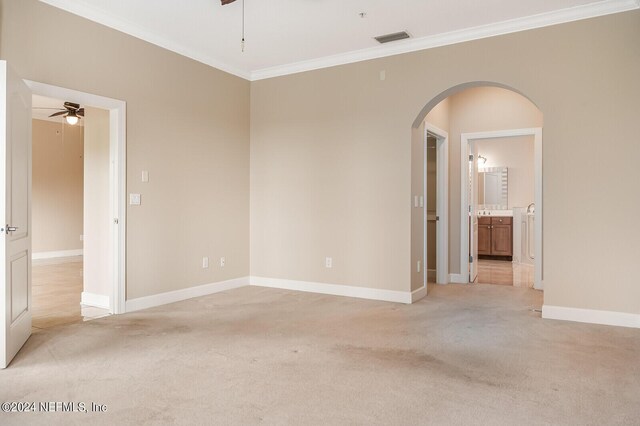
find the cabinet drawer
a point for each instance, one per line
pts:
(501, 220)
(483, 220)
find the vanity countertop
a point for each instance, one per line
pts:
(503, 213)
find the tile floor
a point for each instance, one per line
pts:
(503, 272)
(56, 289)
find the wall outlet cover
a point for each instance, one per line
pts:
(135, 199)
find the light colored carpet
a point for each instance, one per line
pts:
(465, 355)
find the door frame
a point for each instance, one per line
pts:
(465, 140)
(117, 170)
(442, 204)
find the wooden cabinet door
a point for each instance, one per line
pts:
(484, 239)
(501, 240)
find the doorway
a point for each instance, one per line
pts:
(70, 200)
(486, 224)
(16, 303)
(110, 118)
(435, 205)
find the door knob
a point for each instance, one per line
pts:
(11, 229)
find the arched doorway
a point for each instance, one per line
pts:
(469, 115)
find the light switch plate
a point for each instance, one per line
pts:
(328, 262)
(145, 176)
(205, 262)
(135, 199)
(223, 262)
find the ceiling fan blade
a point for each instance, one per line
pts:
(55, 114)
(57, 109)
(227, 1)
(80, 112)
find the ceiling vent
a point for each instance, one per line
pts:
(392, 37)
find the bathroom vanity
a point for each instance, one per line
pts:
(495, 236)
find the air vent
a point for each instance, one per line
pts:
(392, 37)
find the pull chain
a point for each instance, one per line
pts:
(242, 43)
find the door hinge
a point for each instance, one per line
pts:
(115, 221)
(470, 157)
(470, 259)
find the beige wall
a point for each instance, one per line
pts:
(97, 217)
(57, 186)
(517, 154)
(331, 158)
(187, 124)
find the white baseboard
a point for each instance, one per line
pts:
(55, 254)
(418, 294)
(95, 300)
(183, 294)
(458, 278)
(334, 289)
(591, 316)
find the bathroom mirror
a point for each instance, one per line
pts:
(493, 188)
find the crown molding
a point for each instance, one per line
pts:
(101, 17)
(592, 10)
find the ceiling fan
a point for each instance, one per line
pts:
(71, 112)
(227, 1)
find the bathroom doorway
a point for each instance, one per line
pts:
(504, 237)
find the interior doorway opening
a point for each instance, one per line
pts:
(502, 228)
(435, 204)
(98, 267)
(70, 217)
(468, 113)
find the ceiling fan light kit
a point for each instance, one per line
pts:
(71, 112)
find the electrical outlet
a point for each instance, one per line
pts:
(222, 262)
(145, 176)
(205, 262)
(135, 199)
(328, 262)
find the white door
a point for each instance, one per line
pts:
(473, 213)
(15, 211)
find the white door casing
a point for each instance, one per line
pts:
(473, 214)
(15, 208)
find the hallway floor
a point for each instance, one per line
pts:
(463, 355)
(502, 272)
(56, 292)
